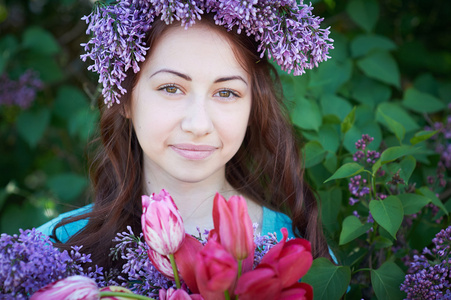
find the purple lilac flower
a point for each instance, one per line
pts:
(288, 33)
(430, 278)
(358, 188)
(138, 273)
(21, 92)
(28, 261)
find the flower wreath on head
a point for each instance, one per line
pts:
(285, 30)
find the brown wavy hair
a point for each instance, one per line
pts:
(267, 168)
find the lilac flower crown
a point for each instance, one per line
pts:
(287, 32)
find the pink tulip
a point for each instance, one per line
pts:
(298, 291)
(216, 270)
(186, 259)
(116, 289)
(262, 283)
(161, 223)
(172, 294)
(73, 288)
(291, 259)
(233, 225)
(161, 263)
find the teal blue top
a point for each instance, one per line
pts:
(273, 222)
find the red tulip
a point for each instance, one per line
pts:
(186, 259)
(162, 224)
(298, 291)
(73, 288)
(216, 270)
(262, 283)
(161, 263)
(233, 225)
(172, 294)
(291, 259)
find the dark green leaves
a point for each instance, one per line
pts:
(386, 281)
(329, 282)
(352, 229)
(388, 213)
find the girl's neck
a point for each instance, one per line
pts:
(193, 199)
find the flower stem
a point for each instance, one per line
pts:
(226, 295)
(174, 268)
(240, 266)
(124, 295)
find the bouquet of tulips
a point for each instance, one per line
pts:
(221, 268)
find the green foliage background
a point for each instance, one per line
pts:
(389, 77)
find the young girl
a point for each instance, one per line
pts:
(201, 112)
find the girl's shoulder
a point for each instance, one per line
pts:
(274, 221)
(63, 233)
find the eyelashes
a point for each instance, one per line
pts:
(174, 89)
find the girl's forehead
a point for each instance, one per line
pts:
(201, 49)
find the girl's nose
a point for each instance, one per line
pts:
(197, 119)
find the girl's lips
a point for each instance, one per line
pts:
(193, 152)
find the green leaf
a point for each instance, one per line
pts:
(363, 44)
(67, 186)
(31, 125)
(329, 281)
(348, 121)
(346, 170)
(398, 113)
(313, 154)
(329, 138)
(40, 40)
(84, 123)
(425, 191)
(421, 102)
(380, 65)
(392, 153)
(330, 76)
(381, 242)
(330, 207)
(422, 136)
(364, 12)
(394, 126)
(408, 165)
(369, 91)
(334, 105)
(386, 281)
(8, 47)
(306, 115)
(413, 203)
(352, 229)
(388, 213)
(69, 100)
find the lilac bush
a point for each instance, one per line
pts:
(28, 261)
(21, 92)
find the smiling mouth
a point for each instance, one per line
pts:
(193, 152)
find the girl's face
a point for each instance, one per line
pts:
(190, 107)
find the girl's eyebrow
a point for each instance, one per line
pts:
(187, 78)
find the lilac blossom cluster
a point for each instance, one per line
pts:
(28, 261)
(21, 92)
(137, 272)
(287, 32)
(429, 274)
(442, 144)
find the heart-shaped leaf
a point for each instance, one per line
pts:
(352, 229)
(388, 213)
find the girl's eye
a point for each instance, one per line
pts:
(226, 94)
(170, 89)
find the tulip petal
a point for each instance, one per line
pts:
(186, 259)
(261, 283)
(161, 263)
(73, 287)
(298, 291)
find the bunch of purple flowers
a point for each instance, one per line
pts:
(21, 92)
(28, 261)
(429, 274)
(287, 32)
